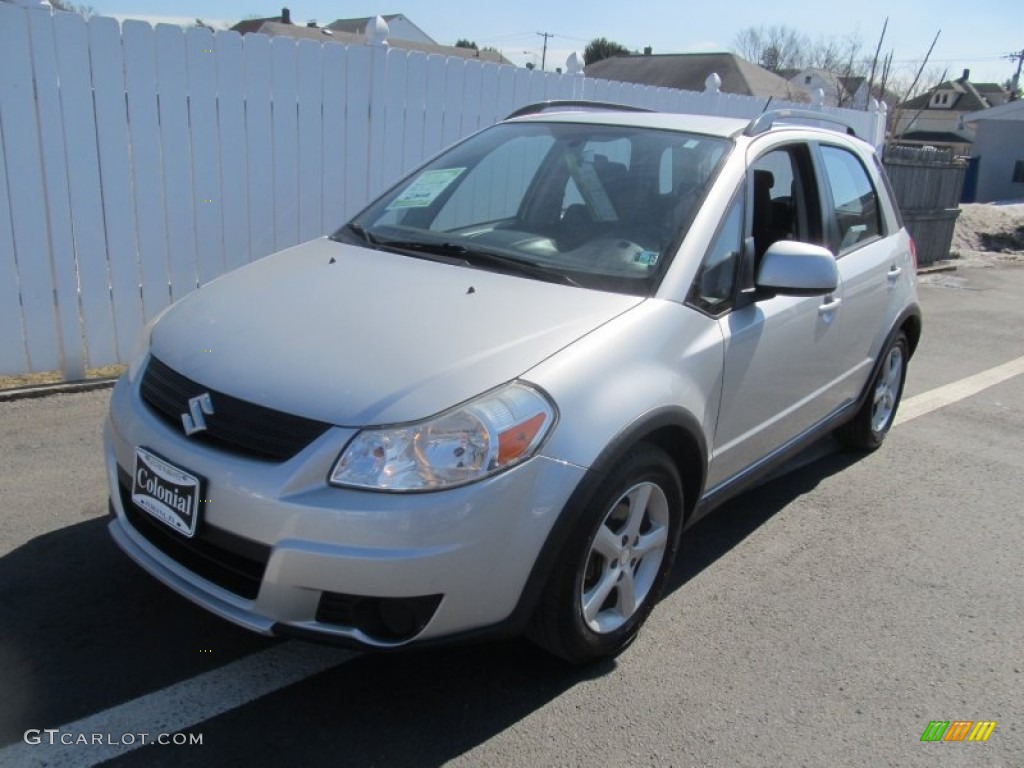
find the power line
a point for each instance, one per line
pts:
(511, 36)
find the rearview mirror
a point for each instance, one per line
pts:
(791, 268)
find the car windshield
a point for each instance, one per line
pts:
(592, 205)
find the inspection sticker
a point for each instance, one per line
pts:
(425, 189)
(647, 258)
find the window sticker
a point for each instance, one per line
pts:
(425, 189)
(646, 258)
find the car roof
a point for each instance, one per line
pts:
(726, 127)
(601, 113)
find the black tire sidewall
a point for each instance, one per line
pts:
(643, 464)
(900, 340)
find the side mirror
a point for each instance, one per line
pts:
(789, 268)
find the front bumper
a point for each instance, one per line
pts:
(282, 550)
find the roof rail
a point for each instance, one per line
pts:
(765, 120)
(566, 105)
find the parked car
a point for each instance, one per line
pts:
(493, 401)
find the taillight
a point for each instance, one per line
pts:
(913, 252)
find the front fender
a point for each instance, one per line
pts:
(658, 358)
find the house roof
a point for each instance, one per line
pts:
(326, 34)
(1013, 110)
(247, 26)
(688, 71)
(358, 26)
(966, 97)
(320, 34)
(853, 84)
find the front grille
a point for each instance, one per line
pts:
(227, 560)
(236, 426)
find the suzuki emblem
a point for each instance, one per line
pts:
(193, 421)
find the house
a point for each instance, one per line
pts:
(399, 28)
(838, 91)
(247, 26)
(354, 34)
(936, 118)
(688, 71)
(999, 152)
(830, 84)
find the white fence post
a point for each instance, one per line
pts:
(879, 111)
(377, 44)
(574, 66)
(712, 93)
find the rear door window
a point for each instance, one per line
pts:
(855, 208)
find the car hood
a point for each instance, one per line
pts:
(358, 337)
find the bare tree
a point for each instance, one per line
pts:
(775, 48)
(874, 61)
(851, 65)
(63, 5)
(911, 90)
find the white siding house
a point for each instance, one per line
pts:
(999, 147)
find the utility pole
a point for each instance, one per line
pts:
(544, 53)
(1015, 80)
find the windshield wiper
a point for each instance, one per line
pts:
(479, 257)
(360, 231)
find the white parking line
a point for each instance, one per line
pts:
(940, 397)
(175, 708)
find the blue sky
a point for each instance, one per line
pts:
(975, 35)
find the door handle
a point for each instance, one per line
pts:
(894, 272)
(830, 306)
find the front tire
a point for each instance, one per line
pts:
(613, 566)
(868, 428)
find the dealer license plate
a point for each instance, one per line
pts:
(168, 493)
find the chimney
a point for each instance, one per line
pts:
(967, 75)
(648, 51)
(286, 16)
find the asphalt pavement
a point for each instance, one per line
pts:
(823, 619)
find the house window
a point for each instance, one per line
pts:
(807, 79)
(1018, 172)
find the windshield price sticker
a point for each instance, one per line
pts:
(425, 189)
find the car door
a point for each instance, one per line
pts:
(781, 371)
(871, 262)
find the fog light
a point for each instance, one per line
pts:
(388, 619)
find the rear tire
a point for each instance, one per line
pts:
(613, 566)
(867, 430)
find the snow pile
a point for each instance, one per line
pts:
(987, 232)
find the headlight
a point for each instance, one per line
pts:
(473, 441)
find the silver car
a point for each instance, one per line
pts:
(493, 401)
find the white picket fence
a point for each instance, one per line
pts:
(138, 163)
